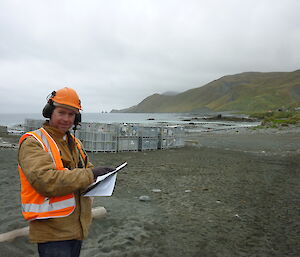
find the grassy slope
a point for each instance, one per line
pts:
(250, 91)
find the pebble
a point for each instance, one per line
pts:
(237, 216)
(144, 198)
(156, 190)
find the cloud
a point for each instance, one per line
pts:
(115, 53)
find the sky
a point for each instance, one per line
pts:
(116, 53)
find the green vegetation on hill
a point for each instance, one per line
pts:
(245, 92)
(278, 118)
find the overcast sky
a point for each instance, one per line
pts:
(116, 53)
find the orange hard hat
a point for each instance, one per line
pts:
(66, 96)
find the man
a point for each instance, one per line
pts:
(54, 170)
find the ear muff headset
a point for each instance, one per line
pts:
(49, 108)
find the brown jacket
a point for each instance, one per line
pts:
(40, 171)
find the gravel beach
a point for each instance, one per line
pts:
(233, 193)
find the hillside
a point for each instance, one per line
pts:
(249, 91)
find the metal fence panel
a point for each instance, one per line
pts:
(130, 137)
(31, 124)
(128, 144)
(146, 143)
(128, 130)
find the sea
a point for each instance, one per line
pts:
(15, 119)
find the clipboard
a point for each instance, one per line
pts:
(104, 177)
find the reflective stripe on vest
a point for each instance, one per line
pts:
(46, 206)
(34, 205)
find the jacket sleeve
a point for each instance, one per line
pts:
(41, 172)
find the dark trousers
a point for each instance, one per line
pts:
(68, 248)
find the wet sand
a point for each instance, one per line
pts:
(226, 194)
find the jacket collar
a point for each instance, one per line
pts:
(53, 131)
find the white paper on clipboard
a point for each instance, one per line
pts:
(104, 185)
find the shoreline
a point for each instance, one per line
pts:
(191, 136)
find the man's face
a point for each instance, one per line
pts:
(62, 119)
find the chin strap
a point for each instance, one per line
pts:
(74, 129)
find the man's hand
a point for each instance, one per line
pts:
(99, 171)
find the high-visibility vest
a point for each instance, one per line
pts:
(34, 205)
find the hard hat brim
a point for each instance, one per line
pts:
(66, 106)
